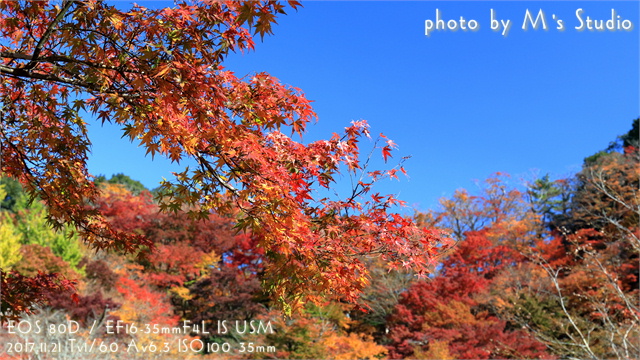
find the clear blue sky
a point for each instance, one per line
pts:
(463, 104)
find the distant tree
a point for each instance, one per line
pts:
(134, 186)
(630, 139)
(10, 244)
(379, 300)
(32, 224)
(320, 332)
(24, 295)
(99, 271)
(551, 200)
(184, 247)
(445, 316)
(13, 193)
(225, 293)
(606, 194)
(85, 308)
(577, 292)
(498, 207)
(40, 259)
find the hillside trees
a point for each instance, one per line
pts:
(589, 262)
(448, 316)
(322, 332)
(31, 254)
(594, 267)
(557, 264)
(517, 288)
(159, 75)
(32, 225)
(162, 289)
(148, 290)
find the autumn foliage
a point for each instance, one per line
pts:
(160, 75)
(447, 310)
(545, 270)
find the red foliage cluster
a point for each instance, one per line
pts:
(444, 309)
(22, 294)
(99, 271)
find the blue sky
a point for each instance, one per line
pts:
(462, 104)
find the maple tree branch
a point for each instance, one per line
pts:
(24, 159)
(234, 166)
(381, 250)
(28, 166)
(206, 166)
(61, 58)
(109, 38)
(21, 73)
(47, 34)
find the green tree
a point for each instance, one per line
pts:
(10, 244)
(134, 186)
(9, 239)
(34, 228)
(630, 139)
(13, 193)
(550, 199)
